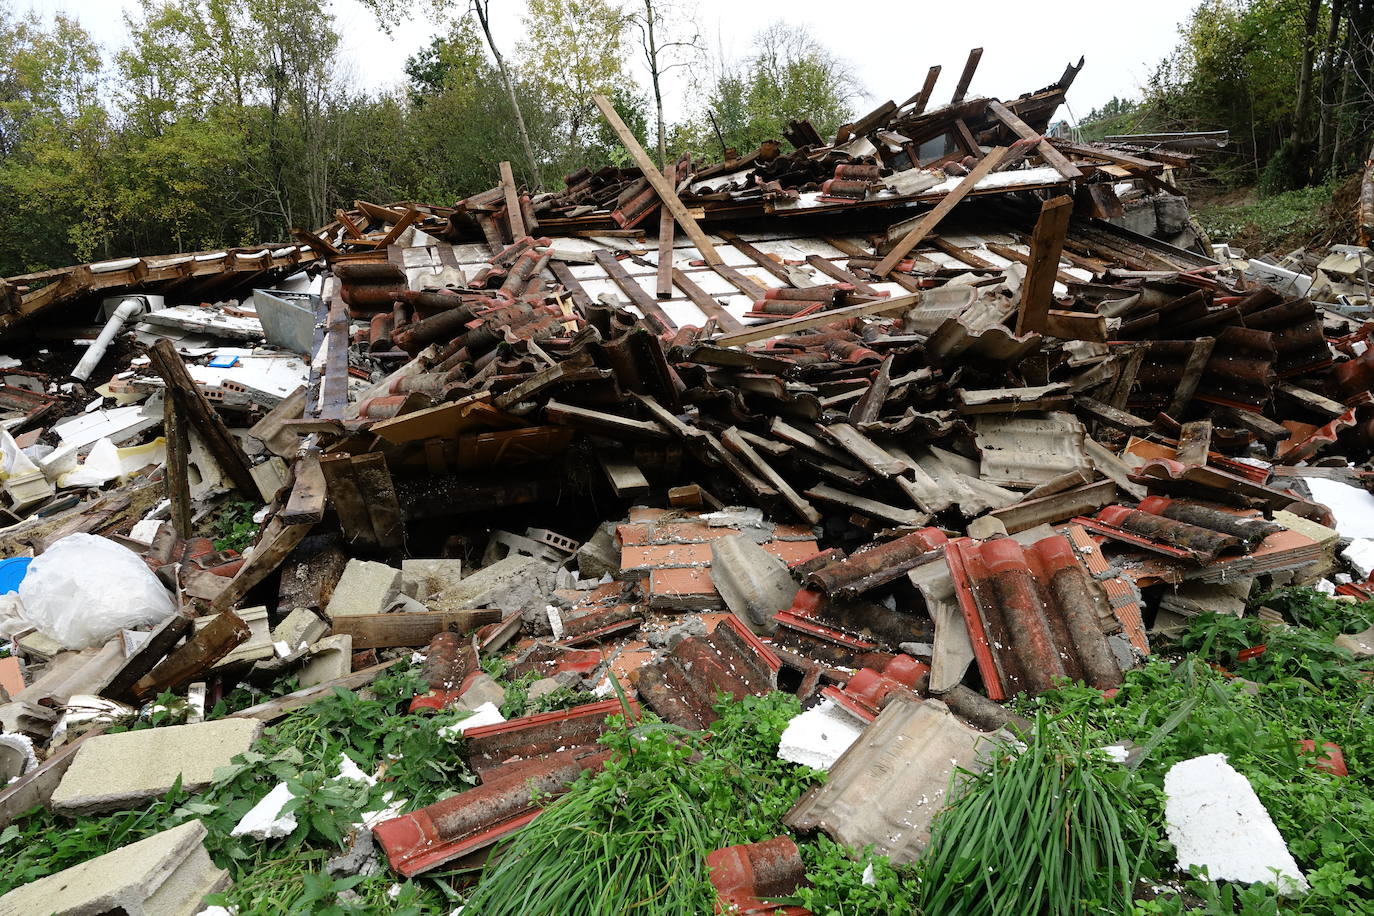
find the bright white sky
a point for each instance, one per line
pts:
(1026, 45)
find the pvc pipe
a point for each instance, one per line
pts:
(128, 309)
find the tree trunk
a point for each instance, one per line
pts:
(654, 77)
(1309, 54)
(1326, 114)
(480, 7)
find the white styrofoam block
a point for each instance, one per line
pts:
(1360, 555)
(818, 737)
(486, 714)
(1353, 507)
(1215, 819)
(264, 821)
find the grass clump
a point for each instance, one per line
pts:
(634, 837)
(1048, 828)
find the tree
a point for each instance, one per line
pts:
(788, 75)
(575, 50)
(669, 41)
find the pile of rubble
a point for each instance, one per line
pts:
(846, 439)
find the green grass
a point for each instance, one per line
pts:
(1269, 223)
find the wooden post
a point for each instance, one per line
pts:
(970, 67)
(946, 204)
(178, 448)
(1037, 292)
(666, 192)
(665, 249)
(222, 444)
(919, 100)
(517, 219)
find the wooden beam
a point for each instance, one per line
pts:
(788, 325)
(967, 142)
(665, 252)
(221, 443)
(708, 305)
(1192, 374)
(758, 257)
(653, 312)
(665, 191)
(178, 450)
(1047, 241)
(512, 195)
(919, 101)
(941, 209)
(970, 67)
(740, 281)
(1046, 150)
(414, 628)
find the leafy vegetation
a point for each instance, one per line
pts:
(234, 527)
(1280, 221)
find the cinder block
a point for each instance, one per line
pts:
(364, 588)
(167, 874)
(117, 772)
(421, 578)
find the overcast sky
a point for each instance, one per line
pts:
(1026, 45)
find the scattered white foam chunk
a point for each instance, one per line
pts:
(486, 714)
(1215, 820)
(818, 737)
(264, 821)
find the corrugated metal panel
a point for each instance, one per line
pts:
(1025, 451)
(1033, 615)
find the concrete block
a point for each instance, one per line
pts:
(330, 658)
(117, 772)
(167, 874)
(542, 688)
(515, 585)
(364, 588)
(300, 629)
(423, 577)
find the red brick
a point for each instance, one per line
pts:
(793, 532)
(632, 535)
(683, 589)
(687, 532)
(647, 514)
(792, 551)
(665, 555)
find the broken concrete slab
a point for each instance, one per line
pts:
(886, 789)
(483, 689)
(515, 584)
(427, 576)
(167, 874)
(364, 588)
(117, 772)
(1215, 820)
(754, 583)
(1361, 644)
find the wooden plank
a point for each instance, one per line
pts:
(1192, 375)
(838, 273)
(758, 257)
(962, 255)
(1047, 241)
(178, 449)
(275, 709)
(402, 224)
(665, 191)
(221, 443)
(334, 374)
(379, 494)
(160, 641)
(919, 101)
(597, 421)
(1112, 416)
(940, 210)
(275, 542)
(970, 67)
(195, 656)
(512, 196)
(1046, 150)
(967, 142)
(665, 252)
(736, 443)
(413, 628)
(648, 305)
(708, 305)
(571, 284)
(1011, 254)
(348, 501)
(788, 325)
(624, 476)
(740, 281)
(305, 505)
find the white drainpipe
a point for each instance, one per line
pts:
(128, 309)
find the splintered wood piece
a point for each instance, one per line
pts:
(970, 67)
(1192, 375)
(941, 209)
(666, 193)
(305, 505)
(178, 471)
(196, 656)
(1047, 241)
(274, 543)
(1194, 442)
(788, 325)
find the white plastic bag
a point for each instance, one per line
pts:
(84, 589)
